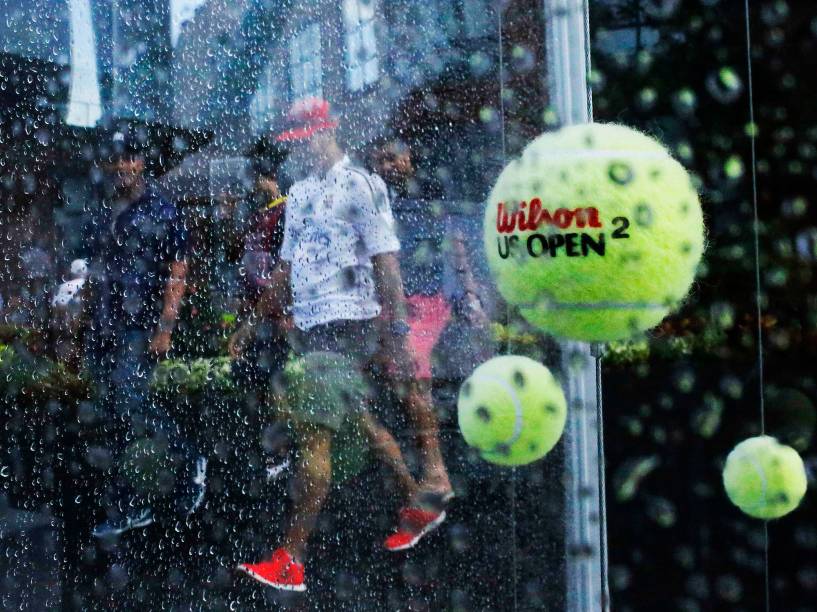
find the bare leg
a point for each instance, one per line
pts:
(388, 451)
(313, 477)
(416, 397)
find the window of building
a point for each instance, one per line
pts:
(362, 61)
(264, 101)
(305, 69)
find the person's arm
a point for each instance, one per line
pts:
(462, 266)
(470, 296)
(374, 224)
(389, 285)
(174, 251)
(274, 303)
(174, 292)
(394, 351)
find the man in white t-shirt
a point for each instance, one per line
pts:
(340, 273)
(336, 223)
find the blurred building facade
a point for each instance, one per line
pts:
(427, 71)
(364, 55)
(432, 72)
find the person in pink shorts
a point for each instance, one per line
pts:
(427, 240)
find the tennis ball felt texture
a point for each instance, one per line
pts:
(595, 232)
(764, 478)
(512, 410)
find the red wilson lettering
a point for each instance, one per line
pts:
(531, 216)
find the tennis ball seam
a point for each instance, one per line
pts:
(570, 154)
(559, 305)
(518, 412)
(511, 410)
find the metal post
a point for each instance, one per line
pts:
(568, 62)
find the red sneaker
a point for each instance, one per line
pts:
(280, 571)
(414, 524)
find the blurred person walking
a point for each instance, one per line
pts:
(136, 247)
(339, 272)
(438, 280)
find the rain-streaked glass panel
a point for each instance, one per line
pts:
(407, 305)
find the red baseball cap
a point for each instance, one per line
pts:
(306, 117)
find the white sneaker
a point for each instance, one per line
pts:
(198, 488)
(276, 470)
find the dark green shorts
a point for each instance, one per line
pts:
(357, 342)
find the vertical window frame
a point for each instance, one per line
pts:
(360, 39)
(305, 50)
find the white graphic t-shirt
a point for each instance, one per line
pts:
(334, 225)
